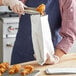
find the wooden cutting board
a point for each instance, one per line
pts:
(66, 61)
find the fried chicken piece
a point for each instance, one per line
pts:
(41, 9)
(14, 69)
(11, 71)
(27, 70)
(4, 65)
(30, 67)
(2, 70)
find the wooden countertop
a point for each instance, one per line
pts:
(66, 61)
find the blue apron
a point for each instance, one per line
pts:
(23, 48)
(54, 17)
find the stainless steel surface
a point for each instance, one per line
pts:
(4, 9)
(8, 31)
(35, 73)
(8, 44)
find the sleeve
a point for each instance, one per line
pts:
(68, 28)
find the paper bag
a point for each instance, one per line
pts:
(41, 38)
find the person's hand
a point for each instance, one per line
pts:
(18, 7)
(59, 52)
(52, 59)
(15, 5)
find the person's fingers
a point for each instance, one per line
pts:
(21, 8)
(52, 59)
(18, 8)
(14, 9)
(57, 59)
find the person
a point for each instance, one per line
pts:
(64, 34)
(61, 17)
(15, 5)
(23, 48)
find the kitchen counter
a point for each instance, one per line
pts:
(67, 61)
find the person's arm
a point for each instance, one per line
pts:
(15, 5)
(68, 28)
